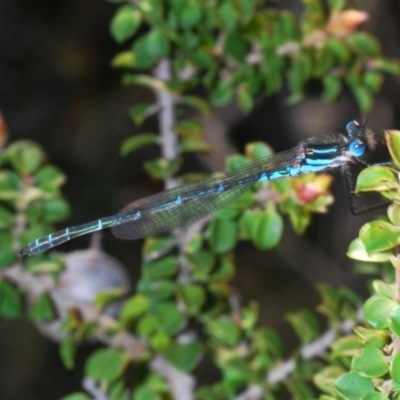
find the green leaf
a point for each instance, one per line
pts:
(194, 244)
(305, 324)
(347, 346)
(189, 128)
(6, 218)
(332, 88)
(9, 186)
(236, 46)
(371, 363)
(222, 235)
(149, 48)
(67, 352)
(224, 331)
(395, 368)
(156, 289)
(198, 103)
(49, 178)
(193, 296)
(376, 178)
(145, 81)
(137, 142)
(105, 365)
(364, 97)
(224, 270)
(384, 289)
(162, 268)
(145, 393)
(374, 396)
(288, 26)
(324, 63)
(55, 210)
(124, 59)
(325, 378)
(357, 251)
(160, 341)
(222, 94)
(236, 161)
(258, 151)
(104, 298)
(162, 168)
(152, 388)
(299, 73)
(379, 236)
(300, 390)
(339, 50)
(352, 386)
(201, 262)
(45, 264)
(146, 326)
(364, 44)
(10, 301)
(388, 66)
(227, 15)
(245, 98)
(194, 145)
(155, 246)
(394, 323)
(373, 80)
(246, 10)
(184, 356)
(134, 308)
(125, 22)
(189, 14)
(141, 111)
(169, 319)
(153, 9)
(25, 156)
(371, 336)
(7, 256)
(42, 309)
(33, 232)
(377, 310)
(268, 230)
(236, 373)
(392, 138)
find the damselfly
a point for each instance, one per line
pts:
(165, 211)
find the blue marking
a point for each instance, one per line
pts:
(67, 233)
(263, 177)
(50, 239)
(278, 174)
(220, 188)
(178, 200)
(318, 161)
(305, 169)
(325, 151)
(37, 242)
(99, 224)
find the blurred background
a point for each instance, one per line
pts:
(57, 88)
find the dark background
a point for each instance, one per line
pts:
(58, 89)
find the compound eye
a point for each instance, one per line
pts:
(357, 149)
(352, 127)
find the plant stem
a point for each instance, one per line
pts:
(166, 117)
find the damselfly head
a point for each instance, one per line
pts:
(362, 134)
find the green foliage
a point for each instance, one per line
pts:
(184, 310)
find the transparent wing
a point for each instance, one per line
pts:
(188, 203)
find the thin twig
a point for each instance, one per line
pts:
(166, 117)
